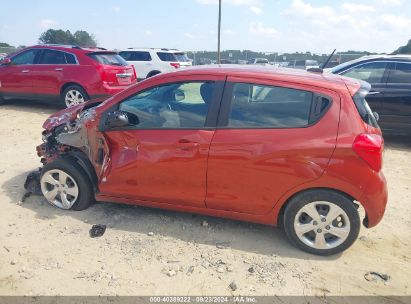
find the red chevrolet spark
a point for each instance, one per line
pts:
(280, 147)
(61, 72)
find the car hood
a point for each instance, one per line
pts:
(70, 114)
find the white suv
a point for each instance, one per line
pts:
(150, 62)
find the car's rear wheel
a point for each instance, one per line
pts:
(65, 185)
(74, 95)
(321, 222)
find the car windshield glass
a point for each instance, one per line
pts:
(108, 58)
(166, 56)
(182, 57)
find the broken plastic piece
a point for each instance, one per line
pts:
(32, 184)
(97, 230)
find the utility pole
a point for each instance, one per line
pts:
(219, 33)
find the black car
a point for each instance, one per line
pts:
(390, 96)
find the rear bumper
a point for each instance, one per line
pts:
(374, 199)
(112, 90)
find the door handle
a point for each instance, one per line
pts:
(59, 69)
(187, 145)
(25, 71)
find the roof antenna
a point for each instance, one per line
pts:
(328, 60)
(320, 70)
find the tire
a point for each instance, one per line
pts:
(310, 226)
(2, 101)
(74, 95)
(153, 73)
(64, 178)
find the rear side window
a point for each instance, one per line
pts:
(108, 58)
(135, 56)
(363, 108)
(259, 106)
(70, 59)
(52, 57)
(181, 57)
(401, 73)
(166, 56)
(372, 72)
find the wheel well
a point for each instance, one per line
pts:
(152, 73)
(66, 85)
(80, 158)
(281, 213)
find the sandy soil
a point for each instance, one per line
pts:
(47, 251)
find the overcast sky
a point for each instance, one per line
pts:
(261, 25)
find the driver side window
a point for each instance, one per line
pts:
(171, 106)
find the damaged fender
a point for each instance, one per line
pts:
(75, 134)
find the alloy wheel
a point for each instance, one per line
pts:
(73, 97)
(59, 188)
(322, 225)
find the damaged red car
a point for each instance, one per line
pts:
(289, 148)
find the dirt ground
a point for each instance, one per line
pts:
(47, 251)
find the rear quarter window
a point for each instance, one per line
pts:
(169, 57)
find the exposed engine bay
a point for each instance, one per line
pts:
(74, 135)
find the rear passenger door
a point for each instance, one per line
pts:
(49, 73)
(396, 112)
(271, 137)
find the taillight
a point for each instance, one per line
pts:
(175, 64)
(134, 71)
(370, 147)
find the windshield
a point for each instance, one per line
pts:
(108, 58)
(181, 57)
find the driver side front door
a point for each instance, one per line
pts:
(163, 156)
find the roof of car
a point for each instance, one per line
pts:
(267, 72)
(152, 49)
(71, 48)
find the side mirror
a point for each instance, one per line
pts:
(376, 116)
(179, 95)
(117, 119)
(5, 61)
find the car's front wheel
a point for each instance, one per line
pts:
(74, 95)
(321, 222)
(65, 185)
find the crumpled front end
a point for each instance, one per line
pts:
(76, 137)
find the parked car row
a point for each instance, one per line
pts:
(74, 75)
